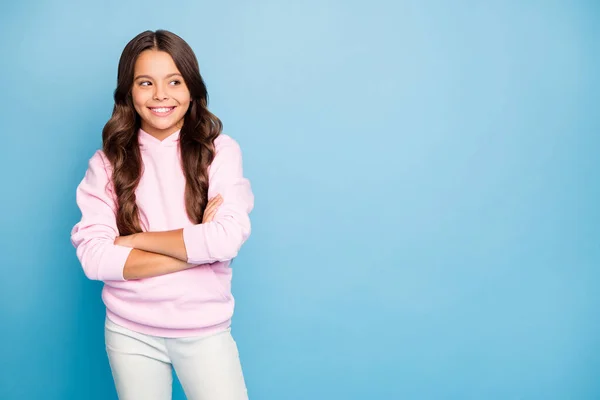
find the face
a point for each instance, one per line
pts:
(160, 96)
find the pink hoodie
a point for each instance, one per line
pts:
(192, 302)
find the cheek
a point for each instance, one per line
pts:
(183, 96)
(184, 108)
(184, 102)
(139, 100)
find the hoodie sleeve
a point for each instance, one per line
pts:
(94, 235)
(222, 238)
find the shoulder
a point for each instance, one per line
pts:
(224, 141)
(227, 148)
(228, 154)
(99, 166)
(99, 160)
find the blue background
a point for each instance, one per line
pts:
(426, 221)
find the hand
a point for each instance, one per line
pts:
(126, 241)
(211, 208)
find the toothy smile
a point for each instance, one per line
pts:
(161, 111)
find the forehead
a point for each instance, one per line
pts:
(155, 62)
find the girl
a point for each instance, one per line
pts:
(165, 208)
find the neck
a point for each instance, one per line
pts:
(160, 134)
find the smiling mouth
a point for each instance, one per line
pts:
(161, 111)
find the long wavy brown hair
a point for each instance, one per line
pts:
(196, 139)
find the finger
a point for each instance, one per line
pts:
(215, 200)
(210, 207)
(210, 216)
(214, 203)
(210, 212)
(215, 208)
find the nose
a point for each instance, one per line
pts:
(159, 93)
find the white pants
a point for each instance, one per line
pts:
(208, 367)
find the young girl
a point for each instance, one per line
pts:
(165, 208)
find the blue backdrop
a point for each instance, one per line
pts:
(426, 221)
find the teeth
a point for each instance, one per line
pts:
(162, 110)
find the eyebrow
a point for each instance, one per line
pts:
(149, 77)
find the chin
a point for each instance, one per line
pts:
(163, 125)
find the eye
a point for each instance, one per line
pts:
(175, 82)
(144, 83)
